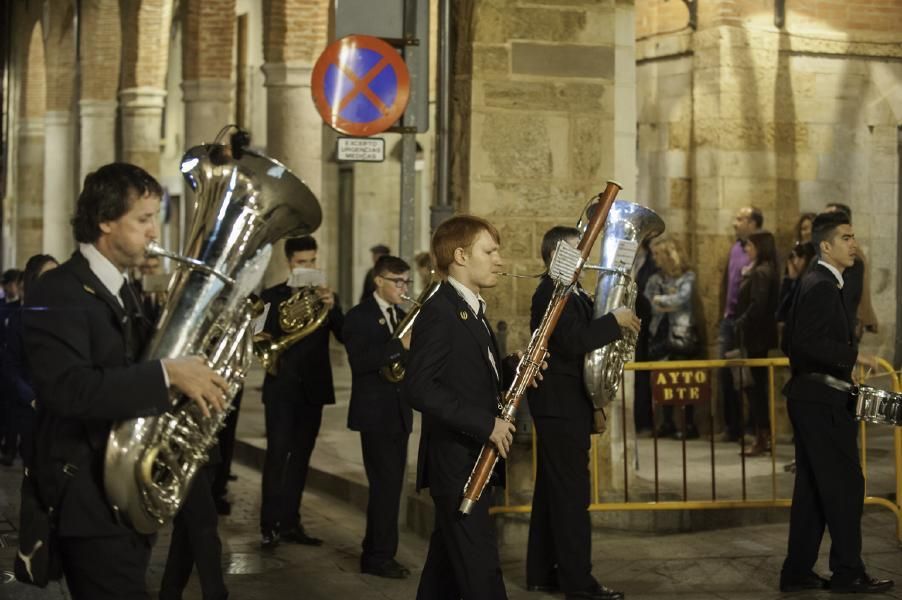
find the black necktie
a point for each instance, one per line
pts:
(393, 318)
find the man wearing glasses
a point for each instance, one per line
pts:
(377, 412)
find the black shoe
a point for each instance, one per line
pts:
(232, 477)
(599, 592)
(390, 569)
(269, 539)
(223, 506)
(538, 587)
(297, 535)
(812, 581)
(861, 585)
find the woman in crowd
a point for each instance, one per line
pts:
(672, 328)
(22, 410)
(803, 228)
(757, 328)
(800, 257)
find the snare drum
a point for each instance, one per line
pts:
(878, 406)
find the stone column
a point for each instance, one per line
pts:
(59, 183)
(29, 206)
(208, 107)
(98, 135)
(294, 137)
(142, 113)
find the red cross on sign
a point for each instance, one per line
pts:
(360, 85)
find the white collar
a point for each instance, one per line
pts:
(474, 301)
(111, 278)
(384, 305)
(834, 270)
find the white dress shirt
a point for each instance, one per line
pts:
(384, 307)
(833, 270)
(475, 302)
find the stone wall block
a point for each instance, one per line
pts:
(680, 193)
(514, 148)
(562, 60)
(532, 95)
(679, 135)
(545, 24)
(491, 61)
(586, 147)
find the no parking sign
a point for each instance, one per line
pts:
(360, 85)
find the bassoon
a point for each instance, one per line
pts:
(565, 268)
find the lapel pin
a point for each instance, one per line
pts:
(464, 315)
(89, 289)
(382, 321)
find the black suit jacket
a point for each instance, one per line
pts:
(450, 380)
(821, 338)
(305, 371)
(85, 378)
(376, 404)
(562, 392)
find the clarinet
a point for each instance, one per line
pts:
(565, 268)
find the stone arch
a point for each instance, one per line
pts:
(27, 211)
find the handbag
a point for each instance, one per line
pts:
(37, 560)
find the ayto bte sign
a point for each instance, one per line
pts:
(681, 386)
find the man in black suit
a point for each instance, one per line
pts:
(293, 401)
(559, 551)
(829, 485)
(377, 412)
(83, 347)
(454, 378)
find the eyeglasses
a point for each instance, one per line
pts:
(398, 281)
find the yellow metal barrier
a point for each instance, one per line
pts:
(714, 503)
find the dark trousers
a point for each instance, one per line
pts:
(642, 414)
(462, 562)
(106, 568)
(667, 412)
(560, 533)
(384, 458)
(195, 541)
(829, 490)
(227, 449)
(291, 430)
(758, 404)
(732, 406)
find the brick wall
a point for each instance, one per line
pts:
(59, 52)
(145, 43)
(34, 87)
(101, 49)
(208, 36)
(294, 30)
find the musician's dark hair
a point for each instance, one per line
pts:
(387, 263)
(823, 228)
(299, 244)
(459, 231)
(109, 193)
(33, 270)
(552, 237)
(838, 206)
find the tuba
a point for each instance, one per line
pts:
(244, 203)
(628, 226)
(394, 372)
(299, 316)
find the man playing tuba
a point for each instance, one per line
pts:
(559, 547)
(294, 393)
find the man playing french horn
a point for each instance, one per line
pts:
(374, 343)
(298, 384)
(82, 348)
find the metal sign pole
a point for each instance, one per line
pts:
(408, 137)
